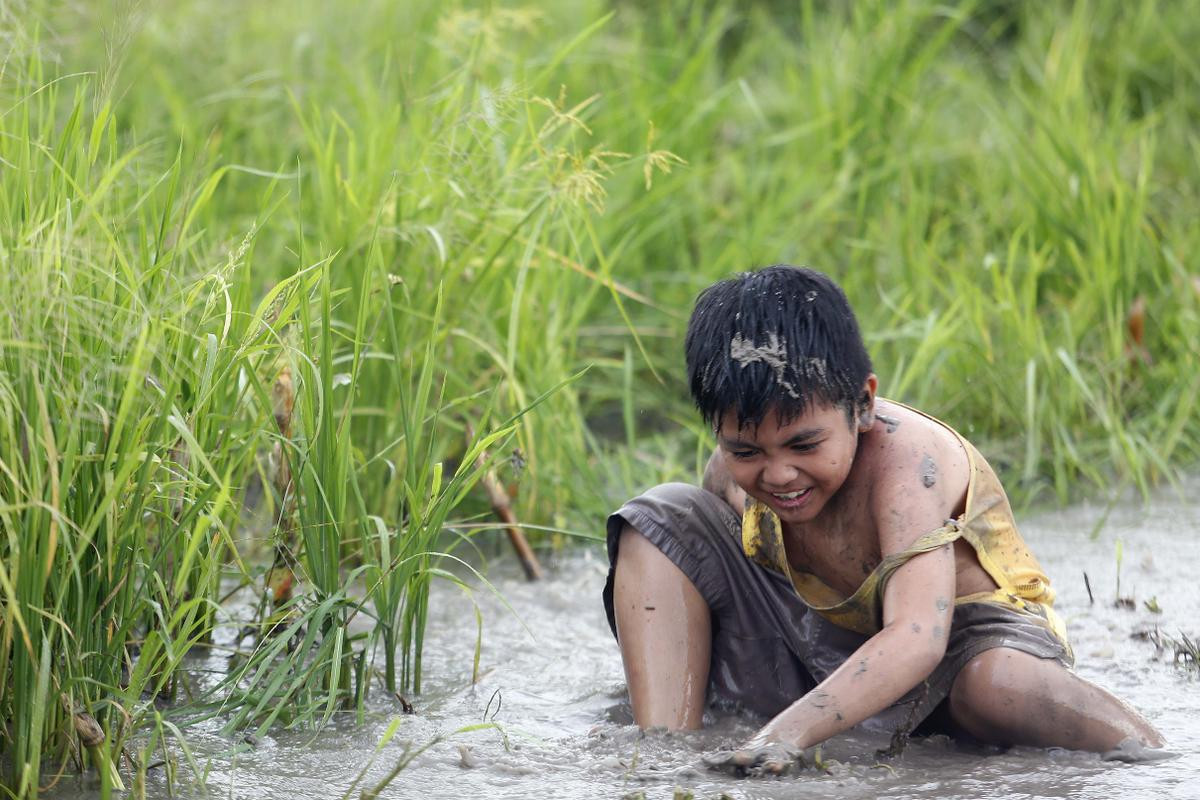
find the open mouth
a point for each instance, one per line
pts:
(791, 499)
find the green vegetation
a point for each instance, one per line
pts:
(457, 229)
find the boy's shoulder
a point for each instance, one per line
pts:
(912, 426)
(909, 455)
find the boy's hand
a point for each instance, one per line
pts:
(756, 760)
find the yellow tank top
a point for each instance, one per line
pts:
(986, 524)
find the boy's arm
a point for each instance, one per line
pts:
(917, 608)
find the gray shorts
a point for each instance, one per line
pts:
(768, 648)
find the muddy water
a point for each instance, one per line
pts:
(552, 683)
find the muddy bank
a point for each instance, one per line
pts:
(552, 685)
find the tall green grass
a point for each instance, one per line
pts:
(466, 228)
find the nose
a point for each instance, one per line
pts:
(778, 473)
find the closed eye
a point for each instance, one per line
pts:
(804, 448)
(742, 455)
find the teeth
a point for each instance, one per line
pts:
(790, 495)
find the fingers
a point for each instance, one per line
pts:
(779, 759)
(777, 763)
(769, 759)
(725, 760)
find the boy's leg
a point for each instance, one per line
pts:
(1008, 697)
(762, 647)
(665, 636)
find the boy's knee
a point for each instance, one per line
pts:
(634, 548)
(1001, 691)
(980, 675)
(691, 528)
(981, 699)
(643, 570)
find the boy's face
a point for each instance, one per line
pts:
(794, 468)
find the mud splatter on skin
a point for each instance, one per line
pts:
(942, 604)
(891, 422)
(928, 471)
(820, 699)
(916, 628)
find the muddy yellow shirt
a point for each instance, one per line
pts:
(987, 525)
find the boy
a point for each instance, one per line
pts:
(848, 559)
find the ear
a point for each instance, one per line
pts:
(866, 403)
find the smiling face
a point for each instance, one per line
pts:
(795, 468)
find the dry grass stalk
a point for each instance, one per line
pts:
(281, 577)
(502, 507)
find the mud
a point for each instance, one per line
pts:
(773, 354)
(553, 686)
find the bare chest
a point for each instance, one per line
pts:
(842, 552)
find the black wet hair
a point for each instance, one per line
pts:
(779, 338)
